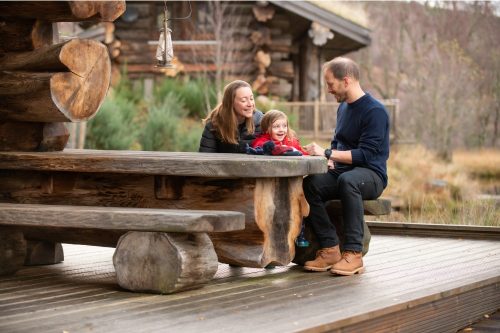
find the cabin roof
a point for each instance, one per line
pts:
(346, 19)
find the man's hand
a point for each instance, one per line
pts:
(331, 165)
(314, 149)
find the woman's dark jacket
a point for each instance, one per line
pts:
(211, 143)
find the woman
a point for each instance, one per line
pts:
(234, 123)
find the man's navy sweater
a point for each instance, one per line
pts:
(363, 128)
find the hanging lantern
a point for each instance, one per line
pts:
(165, 50)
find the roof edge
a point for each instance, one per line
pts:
(328, 19)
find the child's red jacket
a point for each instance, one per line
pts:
(263, 138)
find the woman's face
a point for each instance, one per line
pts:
(243, 104)
(279, 129)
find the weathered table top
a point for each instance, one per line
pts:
(165, 163)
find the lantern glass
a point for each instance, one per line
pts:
(165, 50)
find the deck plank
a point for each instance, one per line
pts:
(81, 294)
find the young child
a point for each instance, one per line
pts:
(277, 138)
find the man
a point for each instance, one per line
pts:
(357, 169)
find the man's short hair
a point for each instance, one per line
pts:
(341, 67)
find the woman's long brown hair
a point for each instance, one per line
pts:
(223, 117)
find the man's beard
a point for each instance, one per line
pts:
(341, 97)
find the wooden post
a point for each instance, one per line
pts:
(316, 119)
(82, 132)
(148, 89)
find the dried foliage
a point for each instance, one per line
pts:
(424, 188)
(483, 164)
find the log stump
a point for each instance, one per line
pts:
(164, 262)
(43, 253)
(12, 251)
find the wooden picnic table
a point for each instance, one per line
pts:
(267, 189)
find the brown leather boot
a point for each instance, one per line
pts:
(351, 263)
(325, 258)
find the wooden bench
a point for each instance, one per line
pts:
(266, 189)
(157, 250)
(376, 207)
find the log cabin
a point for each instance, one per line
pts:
(278, 46)
(440, 277)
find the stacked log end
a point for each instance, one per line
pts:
(63, 11)
(43, 84)
(274, 48)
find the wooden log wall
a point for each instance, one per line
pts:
(140, 57)
(274, 50)
(42, 83)
(63, 11)
(259, 49)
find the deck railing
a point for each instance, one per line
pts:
(316, 120)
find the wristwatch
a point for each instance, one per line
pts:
(328, 153)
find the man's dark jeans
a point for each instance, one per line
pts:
(351, 187)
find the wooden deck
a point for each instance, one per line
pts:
(411, 284)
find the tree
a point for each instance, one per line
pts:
(222, 22)
(442, 62)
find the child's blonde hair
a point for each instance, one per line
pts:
(270, 117)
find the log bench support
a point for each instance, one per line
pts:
(334, 208)
(43, 253)
(157, 250)
(12, 250)
(161, 262)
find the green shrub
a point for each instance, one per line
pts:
(113, 127)
(170, 122)
(188, 138)
(131, 91)
(167, 128)
(161, 128)
(197, 95)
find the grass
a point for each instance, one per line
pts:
(482, 164)
(425, 189)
